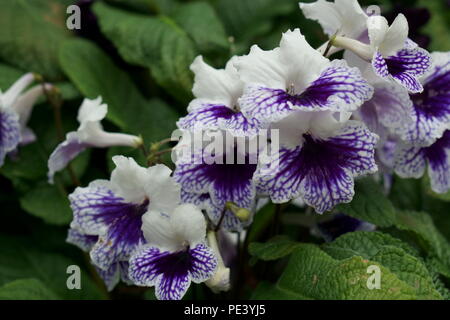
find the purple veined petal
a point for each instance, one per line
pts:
(205, 116)
(9, 133)
(432, 106)
(338, 88)
(321, 171)
(405, 68)
(167, 271)
(111, 276)
(98, 211)
(63, 154)
(83, 241)
(438, 156)
(204, 263)
(411, 162)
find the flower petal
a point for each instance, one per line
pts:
(64, 153)
(204, 263)
(321, 171)
(9, 133)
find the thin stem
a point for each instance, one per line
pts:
(56, 105)
(277, 219)
(160, 153)
(221, 219)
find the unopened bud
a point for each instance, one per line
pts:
(241, 213)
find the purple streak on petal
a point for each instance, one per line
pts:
(9, 133)
(338, 88)
(438, 156)
(63, 154)
(203, 263)
(405, 67)
(83, 241)
(111, 276)
(171, 272)
(321, 171)
(116, 222)
(223, 182)
(210, 116)
(432, 107)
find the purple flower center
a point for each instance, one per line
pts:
(174, 265)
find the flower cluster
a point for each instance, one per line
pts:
(384, 107)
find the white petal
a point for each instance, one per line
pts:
(92, 110)
(395, 37)
(24, 104)
(263, 67)
(304, 62)
(343, 16)
(378, 27)
(162, 190)
(158, 231)
(292, 128)
(129, 179)
(216, 85)
(12, 94)
(189, 224)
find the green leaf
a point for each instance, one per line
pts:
(314, 274)
(273, 249)
(49, 203)
(202, 24)
(268, 291)
(26, 289)
(95, 74)
(31, 33)
(154, 42)
(370, 204)
(363, 243)
(20, 259)
(245, 19)
(439, 26)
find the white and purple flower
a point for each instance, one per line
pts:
(116, 272)
(90, 134)
(411, 162)
(216, 105)
(295, 77)
(176, 252)
(112, 209)
(210, 184)
(15, 111)
(321, 167)
(392, 56)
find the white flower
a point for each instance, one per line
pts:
(90, 133)
(176, 253)
(15, 111)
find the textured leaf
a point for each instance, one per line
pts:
(363, 243)
(202, 24)
(31, 33)
(94, 74)
(26, 289)
(158, 43)
(370, 204)
(273, 249)
(314, 274)
(268, 291)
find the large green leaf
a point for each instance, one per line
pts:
(312, 273)
(202, 24)
(31, 33)
(370, 204)
(273, 249)
(19, 259)
(154, 42)
(363, 243)
(95, 74)
(26, 289)
(49, 203)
